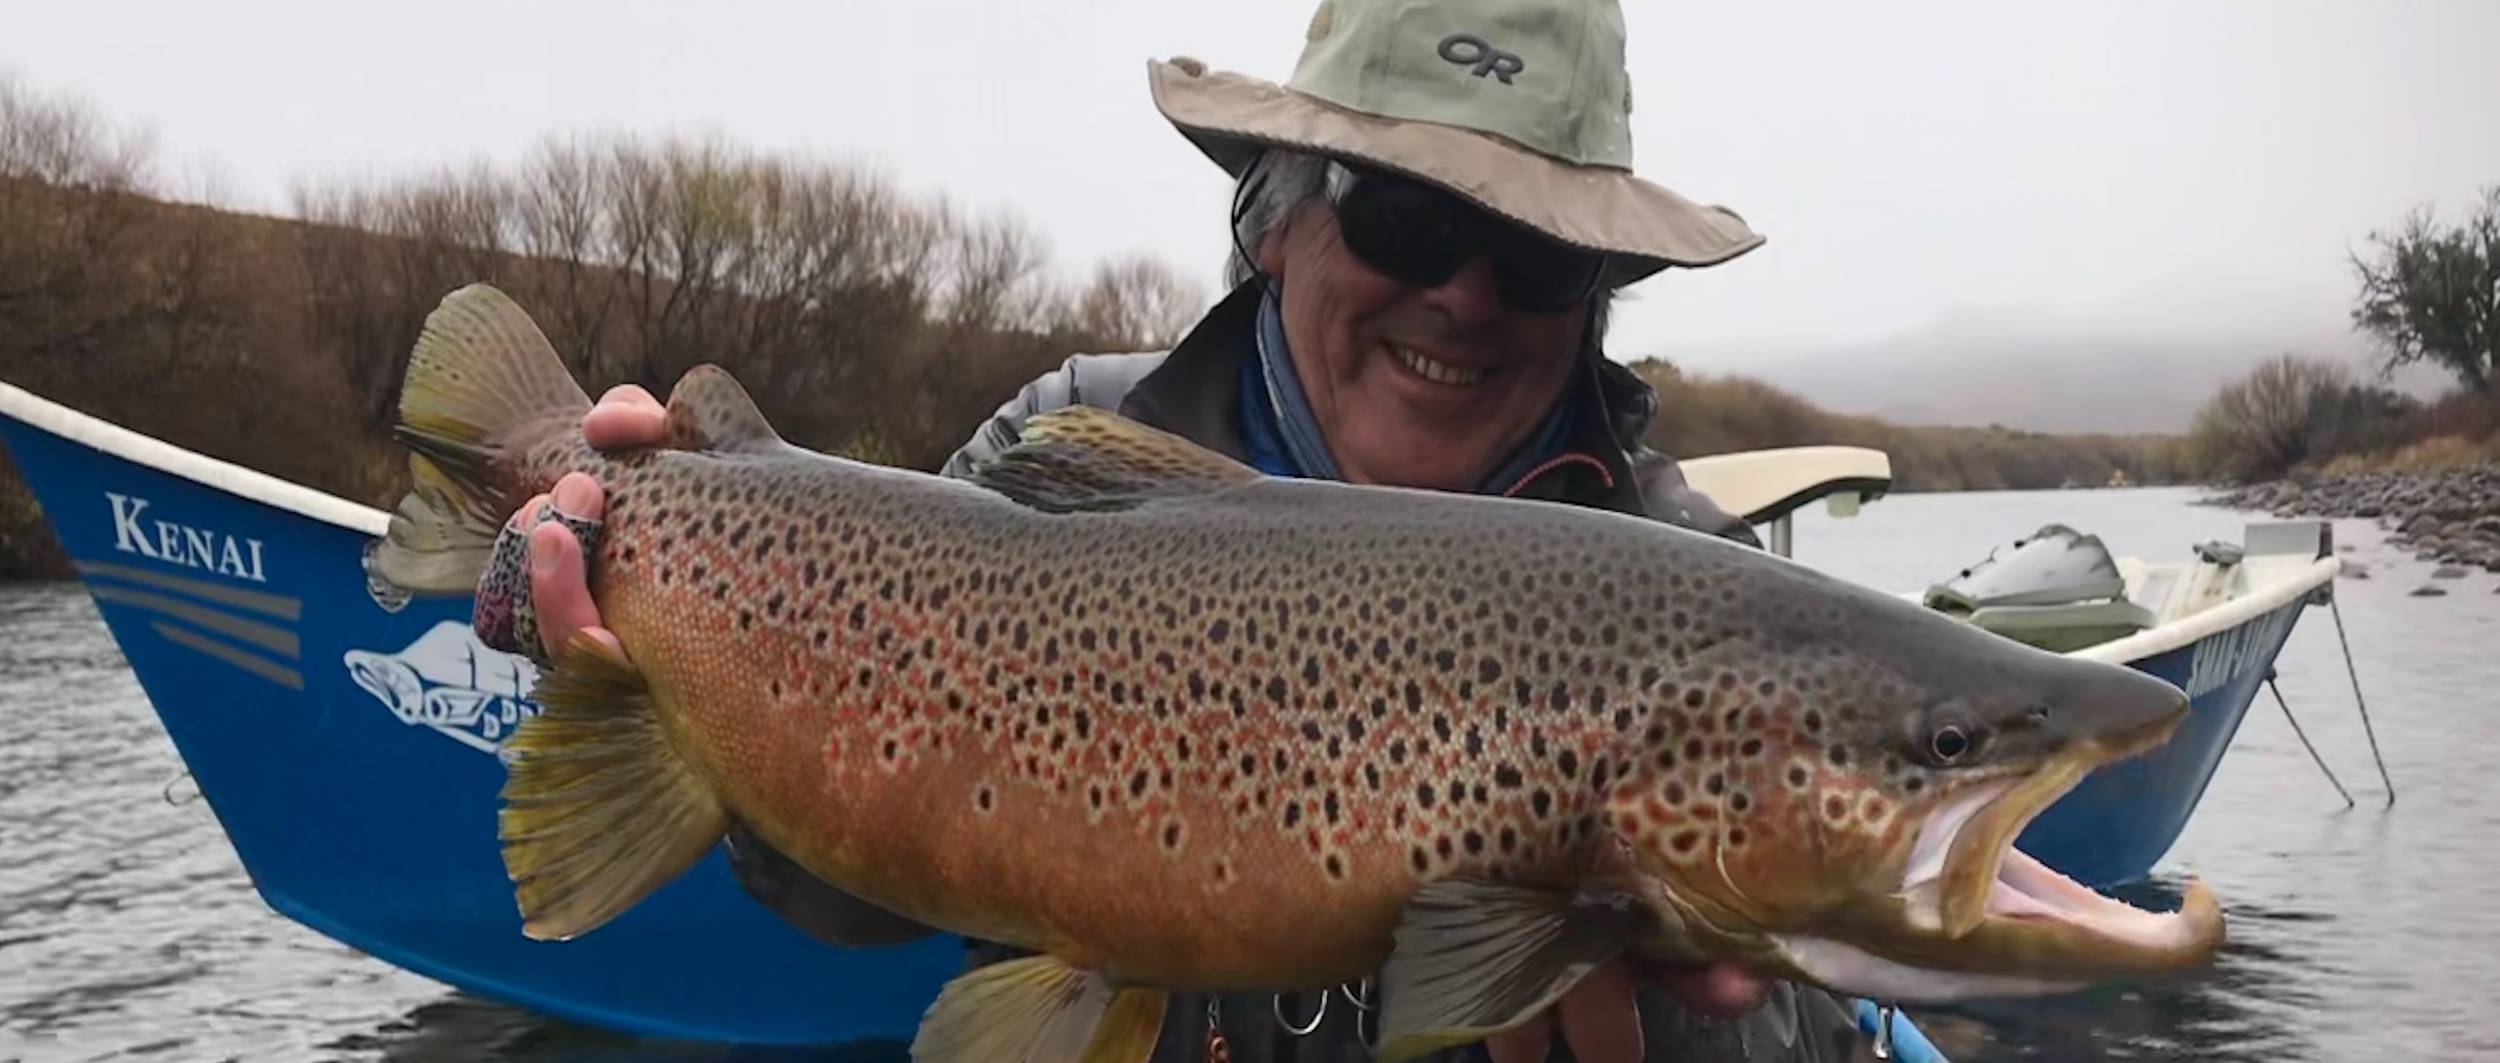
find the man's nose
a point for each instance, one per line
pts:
(1470, 296)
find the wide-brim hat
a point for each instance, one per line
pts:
(1522, 107)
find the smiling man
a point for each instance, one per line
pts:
(1431, 218)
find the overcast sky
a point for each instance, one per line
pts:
(2150, 165)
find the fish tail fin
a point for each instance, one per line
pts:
(481, 385)
(600, 810)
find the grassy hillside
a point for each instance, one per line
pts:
(1705, 414)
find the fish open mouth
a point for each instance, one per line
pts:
(1974, 916)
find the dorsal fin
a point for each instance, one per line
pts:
(707, 410)
(1083, 458)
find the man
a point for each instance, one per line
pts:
(1431, 219)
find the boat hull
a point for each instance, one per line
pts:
(348, 751)
(2122, 819)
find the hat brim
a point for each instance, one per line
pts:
(1644, 227)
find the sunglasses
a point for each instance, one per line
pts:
(1422, 236)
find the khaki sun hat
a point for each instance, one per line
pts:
(1521, 106)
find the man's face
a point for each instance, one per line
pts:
(1414, 387)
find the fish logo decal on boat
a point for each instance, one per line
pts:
(449, 681)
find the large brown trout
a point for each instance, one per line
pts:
(1175, 725)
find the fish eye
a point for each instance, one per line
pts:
(1949, 743)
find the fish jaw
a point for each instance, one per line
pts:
(1972, 916)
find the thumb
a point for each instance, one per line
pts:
(559, 580)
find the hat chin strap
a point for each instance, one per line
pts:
(1252, 182)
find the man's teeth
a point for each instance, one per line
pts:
(1437, 372)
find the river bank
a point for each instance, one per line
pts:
(2447, 516)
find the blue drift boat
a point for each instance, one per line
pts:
(2210, 624)
(346, 738)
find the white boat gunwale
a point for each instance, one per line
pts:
(140, 448)
(2266, 596)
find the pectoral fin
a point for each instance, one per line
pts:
(1474, 958)
(1038, 1010)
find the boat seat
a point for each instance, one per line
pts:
(2064, 627)
(2057, 589)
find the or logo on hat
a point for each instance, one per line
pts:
(1467, 49)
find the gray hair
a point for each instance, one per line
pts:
(1281, 180)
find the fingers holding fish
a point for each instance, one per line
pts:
(1720, 990)
(626, 417)
(559, 574)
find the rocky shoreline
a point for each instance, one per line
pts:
(2447, 516)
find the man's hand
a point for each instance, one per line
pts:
(625, 417)
(1602, 1023)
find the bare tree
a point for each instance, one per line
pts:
(2433, 295)
(1138, 303)
(2261, 425)
(70, 225)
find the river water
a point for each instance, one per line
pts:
(128, 929)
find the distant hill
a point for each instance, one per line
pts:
(2036, 373)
